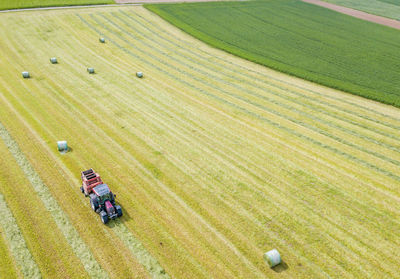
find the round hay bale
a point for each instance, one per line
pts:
(272, 257)
(90, 70)
(53, 60)
(62, 146)
(25, 75)
(139, 74)
(102, 40)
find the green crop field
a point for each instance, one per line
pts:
(19, 4)
(301, 39)
(214, 159)
(386, 8)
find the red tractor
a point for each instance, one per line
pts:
(102, 199)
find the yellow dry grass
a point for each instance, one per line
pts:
(215, 160)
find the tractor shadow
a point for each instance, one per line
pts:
(280, 267)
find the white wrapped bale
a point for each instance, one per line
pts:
(102, 40)
(139, 74)
(62, 146)
(26, 75)
(90, 70)
(272, 257)
(53, 60)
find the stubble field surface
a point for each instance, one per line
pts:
(214, 160)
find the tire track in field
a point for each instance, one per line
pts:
(223, 60)
(252, 83)
(251, 113)
(78, 246)
(16, 241)
(275, 112)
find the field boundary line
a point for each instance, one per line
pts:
(61, 219)
(357, 13)
(16, 241)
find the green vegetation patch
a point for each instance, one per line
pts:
(300, 39)
(386, 8)
(20, 4)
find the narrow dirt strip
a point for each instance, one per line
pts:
(78, 246)
(19, 250)
(358, 14)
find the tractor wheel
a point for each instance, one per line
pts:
(104, 217)
(94, 203)
(119, 210)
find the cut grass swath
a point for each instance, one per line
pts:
(61, 219)
(7, 263)
(206, 183)
(16, 242)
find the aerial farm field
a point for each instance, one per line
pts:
(386, 8)
(300, 39)
(214, 159)
(19, 4)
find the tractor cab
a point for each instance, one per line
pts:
(103, 193)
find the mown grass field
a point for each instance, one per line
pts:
(214, 159)
(301, 39)
(386, 8)
(20, 4)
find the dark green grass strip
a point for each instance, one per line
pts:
(245, 70)
(233, 105)
(21, 4)
(315, 44)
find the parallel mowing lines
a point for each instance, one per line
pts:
(275, 93)
(264, 119)
(160, 27)
(330, 124)
(167, 73)
(279, 104)
(78, 246)
(15, 240)
(217, 233)
(134, 245)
